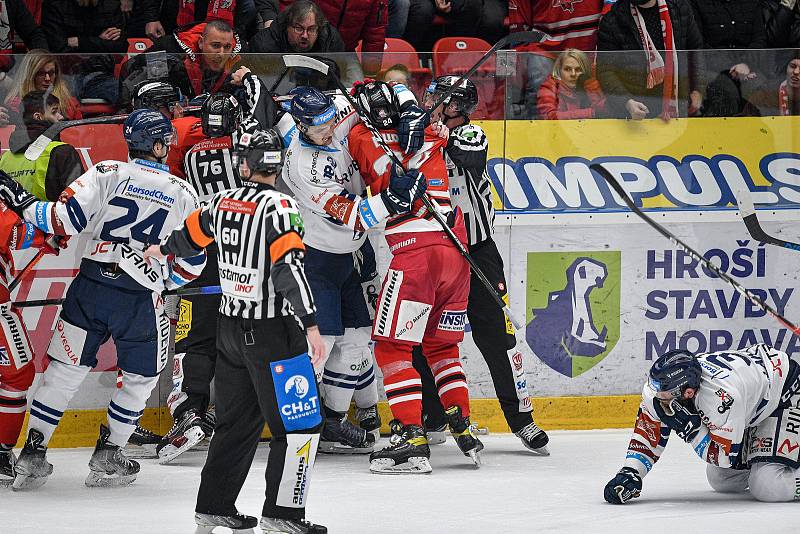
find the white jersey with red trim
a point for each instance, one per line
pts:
(125, 207)
(738, 390)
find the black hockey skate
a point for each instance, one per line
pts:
(340, 436)
(208, 425)
(407, 453)
(142, 443)
(464, 434)
(370, 420)
(109, 466)
(436, 435)
(32, 467)
(273, 525)
(239, 523)
(186, 432)
(534, 438)
(7, 461)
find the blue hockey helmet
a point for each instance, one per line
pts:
(675, 371)
(144, 127)
(311, 107)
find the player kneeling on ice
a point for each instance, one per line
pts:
(738, 410)
(125, 207)
(328, 186)
(424, 296)
(263, 370)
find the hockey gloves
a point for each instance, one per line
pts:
(684, 420)
(53, 244)
(625, 486)
(14, 195)
(403, 190)
(411, 128)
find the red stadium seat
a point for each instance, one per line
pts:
(456, 55)
(95, 107)
(137, 45)
(400, 51)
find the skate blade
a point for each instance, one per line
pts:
(169, 452)
(99, 479)
(334, 447)
(147, 452)
(26, 483)
(203, 445)
(541, 451)
(416, 465)
(210, 529)
(475, 456)
(437, 438)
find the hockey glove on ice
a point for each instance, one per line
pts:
(684, 420)
(411, 128)
(625, 486)
(403, 190)
(14, 195)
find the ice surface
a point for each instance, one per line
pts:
(514, 492)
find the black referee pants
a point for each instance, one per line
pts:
(489, 333)
(245, 399)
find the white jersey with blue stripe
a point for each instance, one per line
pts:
(125, 207)
(738, 389)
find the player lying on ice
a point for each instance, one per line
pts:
(738, 409)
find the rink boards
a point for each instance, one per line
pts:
(601, 293)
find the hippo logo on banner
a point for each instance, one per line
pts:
(573, 306)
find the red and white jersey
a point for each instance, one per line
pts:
(375, 168)
(15, 234)
(738, 390)
(568, 23)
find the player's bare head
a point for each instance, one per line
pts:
(457, 107)
(314, 113)
(379, 102)
(220, 115)
(41, 106)
(216, 45)
(149, 134)
(675, 375)
(258, 155)
(304, 22)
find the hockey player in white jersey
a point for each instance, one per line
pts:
(740, 412)
(117, 294)
(331, 194)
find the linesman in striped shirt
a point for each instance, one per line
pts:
(263, 369)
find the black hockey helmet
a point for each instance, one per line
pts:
(262, 149)
(220, 115)
(465, 95)
(155, 95)
(379, 102)
(674, 372)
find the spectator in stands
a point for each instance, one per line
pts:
(198, 60)
(16, 19)
(461, 16)
(397, 73)
(398, 17)
(569, 92)
(491, 24)
(363, 20)
(781, 97)
(93, 26)
(157, 18)
(732, 25)
(58, 165)
(650, 83)
(782, 22)
(40, 71)
(300, 28)
(571, 23)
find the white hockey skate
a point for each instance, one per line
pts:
(7, 462)
(109, 467)
(184, 434)
(534, 438)
(32, 467)
(238, 524)
(273, 525)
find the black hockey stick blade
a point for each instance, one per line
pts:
(520, 38)
(36, 148)
(296, 60)
(747, 211)
(615, 185)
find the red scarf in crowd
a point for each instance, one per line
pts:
(657, 71)
(217, 10)
(784, 103)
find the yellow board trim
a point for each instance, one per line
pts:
(79, 428)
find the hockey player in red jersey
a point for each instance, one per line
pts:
(424, 295)
(16, 357)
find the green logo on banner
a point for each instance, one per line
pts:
(572, 308)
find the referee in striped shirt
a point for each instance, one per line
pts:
(264, 372)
